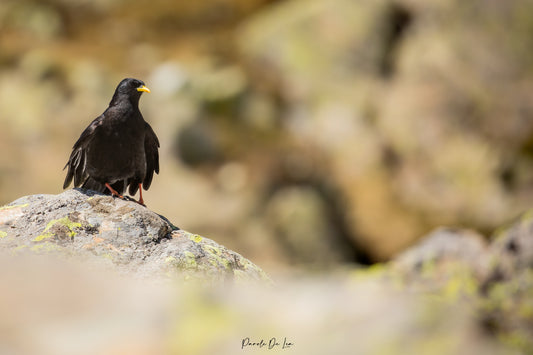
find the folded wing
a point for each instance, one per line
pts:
(78, 158)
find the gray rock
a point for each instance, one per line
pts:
(127, 236)
(444, 253)
(512, 247)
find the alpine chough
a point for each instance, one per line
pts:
(118, 151)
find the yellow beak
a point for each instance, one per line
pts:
(143, 88)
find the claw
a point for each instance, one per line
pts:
(113, 191)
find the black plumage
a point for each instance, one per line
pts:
(119, 149)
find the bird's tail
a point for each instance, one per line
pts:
(94, 185)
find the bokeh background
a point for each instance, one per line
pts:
(297, 133)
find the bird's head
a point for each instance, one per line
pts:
(132, 86)
(130, 89)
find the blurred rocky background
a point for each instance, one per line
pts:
(297, 133)
(306, 135)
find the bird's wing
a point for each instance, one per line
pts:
(151, 146)
(77, 161)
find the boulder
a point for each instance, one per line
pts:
(512, 247)
(445, 252)
(82, 224)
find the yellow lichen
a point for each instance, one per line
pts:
(170, 259)
(186, 263)
(190, 259)
(65, 221)
(42, 237)
(216, 256)
(14, 206)
(195, 238)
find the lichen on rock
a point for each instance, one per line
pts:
(82, 224)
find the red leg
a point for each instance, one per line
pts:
(141, 195)
(113, 192)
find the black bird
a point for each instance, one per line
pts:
(118, 150)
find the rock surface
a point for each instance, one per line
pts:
(445, 250)
(82, 224)
(493, 278)
(454, 292)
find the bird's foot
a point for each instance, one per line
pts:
(127, 198)
(113, 191)
(140, 202)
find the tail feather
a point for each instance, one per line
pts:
(94, 185)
